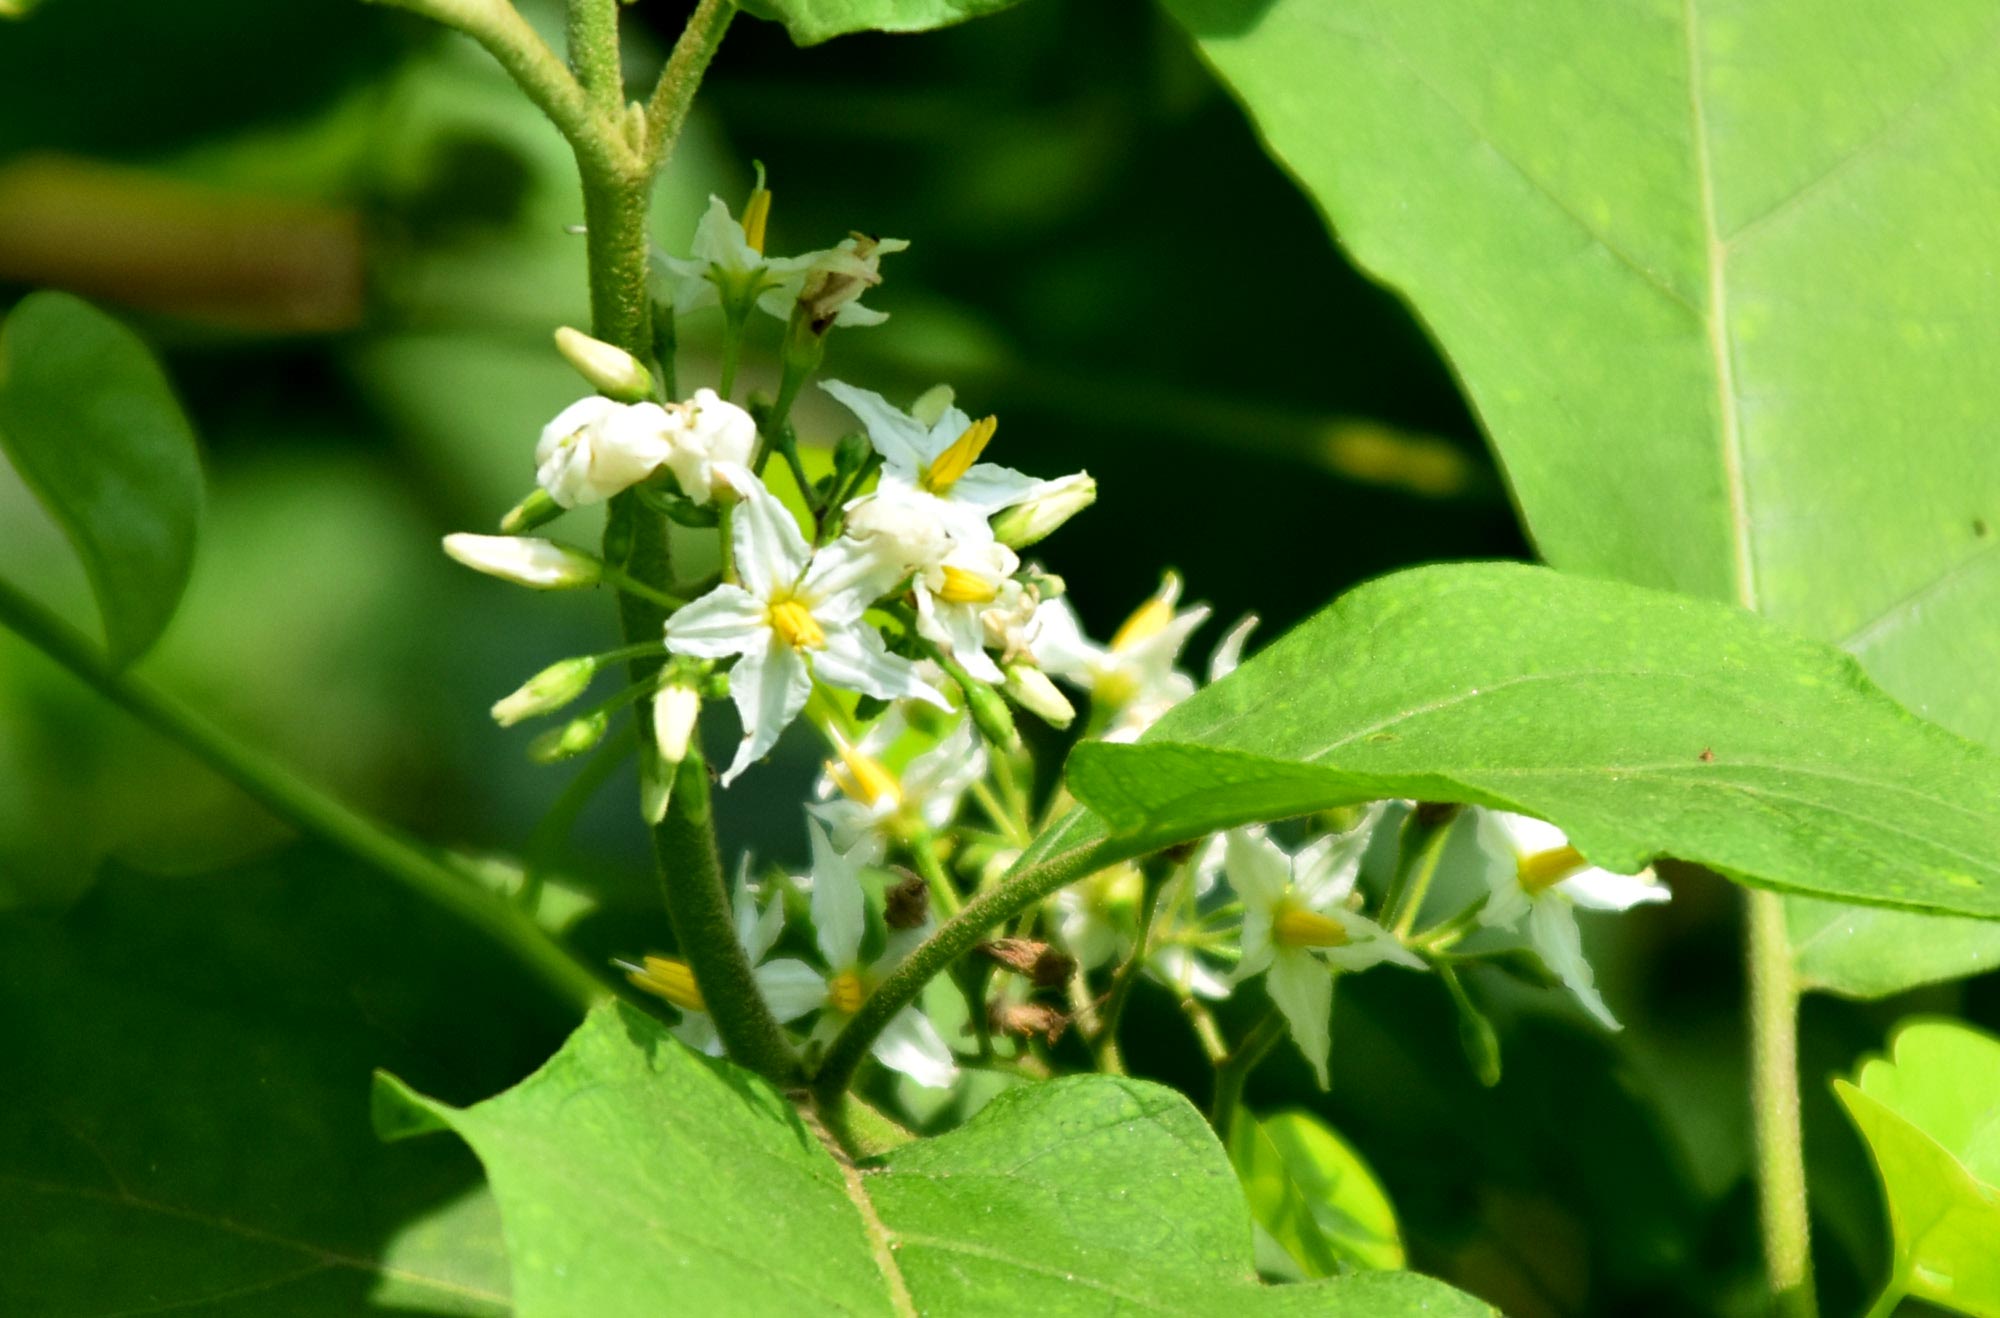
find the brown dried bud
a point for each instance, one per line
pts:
(1026, 1019)
(908, 904)
(1042, 964)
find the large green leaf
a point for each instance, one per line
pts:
(633, 1173)
(87, 417)
(186, 1125)
(1643, 723)
(1931, 1117)
(1711, 272)
(813, 21)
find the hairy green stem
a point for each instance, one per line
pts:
(592, 29)
(667, 110)
(1110, 1058)
(1774, 1090)
(1235, 1069)
(307, 808)
(1075, 846)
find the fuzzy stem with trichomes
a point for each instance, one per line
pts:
(1774, 1091)
(307, 808)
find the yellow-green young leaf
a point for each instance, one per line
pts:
(1313, 1194)
(632, 1172)
(1619, 220)
(1931, 1116)
(88, 419)
(813, 21)
(1644, 724)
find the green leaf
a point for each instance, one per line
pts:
(186, 1125)
(1931, 1117)
(1642, 723)
(1873, 952)
(1313, 1194)
(813, 21)
(89, 420)
(1642, 314)
(630, 1169)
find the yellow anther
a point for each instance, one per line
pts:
(1545, 869)
(1147, 621)
(1298, 927)
(670, 979)
(954, 462)
(962, 587)
(865, 778)
(756, 215)
(845, 993)
(795, 623)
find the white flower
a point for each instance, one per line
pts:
(902, 532)
(1538, 880)
(935, 469)
(524, 560)
(953, 597)
(830, 291)
(909, 1043)
(728, 265)
(795, 617)
(596, 448)
(791, 987)
(1038, 517)
(1134, 679)
(710, 434)
(1297, 927)
(859, 796)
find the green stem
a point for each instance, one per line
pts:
(1886, 1303)
(1774, 1091)
(667, 110)
(1235, 1069)
(1421, 847)
(1110, 1059)
(306, 807)
(1074, 847)
(923, 850)
(592, 29)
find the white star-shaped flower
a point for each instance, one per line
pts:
(596, 448)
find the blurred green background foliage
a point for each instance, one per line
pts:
(346, 232)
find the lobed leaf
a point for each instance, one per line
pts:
(1644, 724)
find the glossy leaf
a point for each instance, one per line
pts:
(813, 21)
(89, 420)
(631, 1168)
(1931, 1116)
(186, 1125)
(1619, 222)
(1644, 724)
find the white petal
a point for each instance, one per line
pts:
(855, 659)
(1370, 945)
(1179, 966)
(844, 579)
(769, 687)
(1601, 890)
(728, 620)
(1524, 835)
(912, 1045)
(839, 908)
(1302, 990)
(771, 552)
(1256, 867)
(791, 987)
(989, 488)
(1229, 650)
(1325, 870)
(1552, 930)
(956, 628)
(696, 1029)
(1057, 642)
(896, 436)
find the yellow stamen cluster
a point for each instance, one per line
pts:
(946, 469)
(796, 625)
(1146, 622)
(1545, 869)
(962, 587)
(669, 979)
(756, 215)
(845, 992)
(865, 778)
(1298, 927)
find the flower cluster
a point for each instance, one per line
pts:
(887, 606)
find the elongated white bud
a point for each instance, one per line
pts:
(525, 561)
(609, 369)
(1036, 517)
(1031, 689)
(547, 691)
(675, 709)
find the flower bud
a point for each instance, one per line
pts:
(525, 561)
(538, 509)
(547, 691)
(1030, 688)
(990, 714)
(675, 709)
(609, 369)
(571, 739)
(1038, 516)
